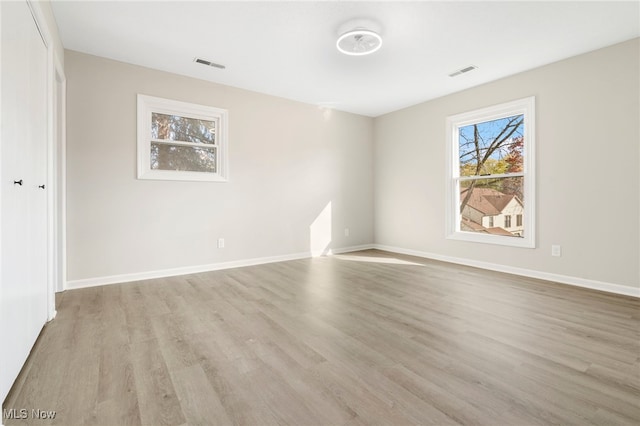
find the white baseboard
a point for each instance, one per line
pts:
(51, 318)
(352, 249)
(148, 275)
(563, 279)
(547, 276)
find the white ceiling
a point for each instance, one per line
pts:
(287, 49)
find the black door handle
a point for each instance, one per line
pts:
(41, 186)
(17, 182)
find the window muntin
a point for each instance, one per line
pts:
(491, 174)
(181, 141)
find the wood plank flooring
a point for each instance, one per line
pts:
(364, 338)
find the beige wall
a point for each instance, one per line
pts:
(587, 164)
(288, 161)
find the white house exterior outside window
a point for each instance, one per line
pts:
(490, 175)
(181, 141)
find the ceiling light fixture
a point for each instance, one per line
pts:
(359, 42)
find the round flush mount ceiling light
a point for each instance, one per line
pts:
(359, 42)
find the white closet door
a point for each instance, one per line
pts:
(23, 255)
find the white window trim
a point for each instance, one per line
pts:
(149, 104)
(526, 107)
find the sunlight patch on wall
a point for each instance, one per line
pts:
(320, 232)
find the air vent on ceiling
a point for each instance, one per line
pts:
(463, 70)
(208, 63)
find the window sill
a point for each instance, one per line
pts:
(492, 239)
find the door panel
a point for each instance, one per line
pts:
(23, 141)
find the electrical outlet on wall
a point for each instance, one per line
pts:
(220, 243)
(346, 232)
(556, 250)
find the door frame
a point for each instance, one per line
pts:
(56, 215)
(59, 177)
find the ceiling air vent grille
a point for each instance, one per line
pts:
(208, 63)
(463, 70)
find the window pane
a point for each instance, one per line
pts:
(488, 205)
(182, 129)
(492, 147)
(183, 158)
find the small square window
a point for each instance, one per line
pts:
(181, 141)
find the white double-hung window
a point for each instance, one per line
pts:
(181, 141)
(490, 174)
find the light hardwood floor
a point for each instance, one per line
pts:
(363, 338)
